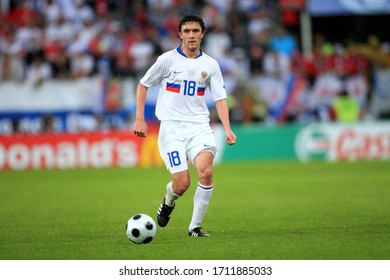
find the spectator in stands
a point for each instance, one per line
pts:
(209, 12)
(355, 62)
(60, 30)
(139, 14)
(235, 68)
(11, 57)
(60, 65)
(222, 6)
(30, 38)
(321, 50)
(283, 41)
(121, 65)
(242, 64)
(170, 40)
(158, 9)
(38, 71)
(259, 26)
(236, 27)
(102, 49)
(374, 52)
(170, 22)
(81, 65)
(85, 35)
(21, 14)
(51, 12)
(345, 109)
(276, 64)
(76, 12)
(83, 13)
(29, 31)
(218, 42)
(256, 57)
(142, 52)
(336, 62)
(188, 6)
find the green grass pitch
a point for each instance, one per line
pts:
(259, 211)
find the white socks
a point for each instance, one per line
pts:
(201, 202)
(171, 196)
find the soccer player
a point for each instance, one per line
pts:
(185, 134)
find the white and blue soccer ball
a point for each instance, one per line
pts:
(141, 229)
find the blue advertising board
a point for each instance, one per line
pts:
(348, 7)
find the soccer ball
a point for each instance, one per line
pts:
(141, 228)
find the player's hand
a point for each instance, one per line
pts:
(140, 128)
(231, 138)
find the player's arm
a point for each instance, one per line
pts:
(140, 127)
(223, 114)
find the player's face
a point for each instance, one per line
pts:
(191, 35)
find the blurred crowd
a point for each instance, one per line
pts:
(70, 39)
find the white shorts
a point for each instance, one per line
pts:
(179, 142)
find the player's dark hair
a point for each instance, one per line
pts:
(191, 18)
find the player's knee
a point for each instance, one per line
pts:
(205, 174)
(181, 189)
(180, 186)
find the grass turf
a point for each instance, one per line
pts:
(268, 210)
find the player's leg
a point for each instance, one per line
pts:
(177, 187)
(203, 164)
(174, 189)
(201, 154)
(173, 152)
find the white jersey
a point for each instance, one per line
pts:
(183, 82)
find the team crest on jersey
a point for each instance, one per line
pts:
(203, 75)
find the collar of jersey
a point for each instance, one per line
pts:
(181, 52)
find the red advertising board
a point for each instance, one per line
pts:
(79, 150)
